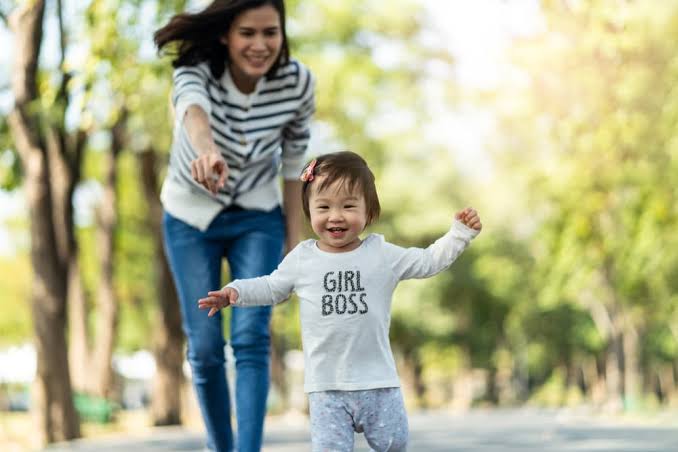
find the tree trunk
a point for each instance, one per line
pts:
(414, 374)
(169, 339)
(78, 345)
(614, 366)
(64, 187)
(418, 380)
(632, 373)
(667, 383)
(278, 370)
(492, 386)
(107, 312)
(53, 402)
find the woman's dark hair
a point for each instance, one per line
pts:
(352, 170)
(198, 34)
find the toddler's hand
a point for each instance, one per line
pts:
(218, 299)
(470, 218)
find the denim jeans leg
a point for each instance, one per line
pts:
(195, 262)
(256, 252)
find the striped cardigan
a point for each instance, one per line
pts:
(255, 133)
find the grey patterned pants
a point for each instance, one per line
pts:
(379, 413)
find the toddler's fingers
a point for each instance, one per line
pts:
(212, 312)
(218, 300)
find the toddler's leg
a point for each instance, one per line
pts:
(383, 418)
(331, 423)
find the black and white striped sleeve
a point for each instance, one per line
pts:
(297, 133)
(190, 88)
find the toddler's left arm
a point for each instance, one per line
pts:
(425, 262)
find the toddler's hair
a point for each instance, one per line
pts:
(350, 169)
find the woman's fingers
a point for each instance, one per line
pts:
(222, 171)
(210, 171)
(211, 176)
(199, 171)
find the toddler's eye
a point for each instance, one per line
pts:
(349, 206)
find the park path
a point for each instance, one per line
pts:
(519, 430)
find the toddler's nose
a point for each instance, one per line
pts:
(336, 216)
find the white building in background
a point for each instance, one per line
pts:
(18, 364)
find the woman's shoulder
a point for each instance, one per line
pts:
(200, 69)
(292, 70)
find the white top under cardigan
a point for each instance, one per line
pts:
(346, 304)
(255, 133)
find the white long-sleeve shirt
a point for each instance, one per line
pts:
(346, 304)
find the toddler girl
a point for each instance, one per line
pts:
(344, 284)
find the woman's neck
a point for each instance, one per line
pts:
(245, 85)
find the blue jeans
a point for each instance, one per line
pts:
(252, 242)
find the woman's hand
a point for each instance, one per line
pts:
(470, 218)
(210, 170)
(218, 299)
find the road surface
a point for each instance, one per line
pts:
(519, 430)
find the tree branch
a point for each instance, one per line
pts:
(65, 76)
(26, 24)
(62, 35)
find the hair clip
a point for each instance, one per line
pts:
(307, 175)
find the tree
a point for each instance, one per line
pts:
(50, 158)
(600, 109)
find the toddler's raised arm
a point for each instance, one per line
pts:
(409, 263)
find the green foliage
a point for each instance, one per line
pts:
(15, 312)
(10, 165)
(595, 146)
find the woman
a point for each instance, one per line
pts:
(242, 113)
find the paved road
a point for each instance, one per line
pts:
(478, 431)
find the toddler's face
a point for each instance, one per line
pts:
(337, 216)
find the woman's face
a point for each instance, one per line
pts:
(254, 42)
